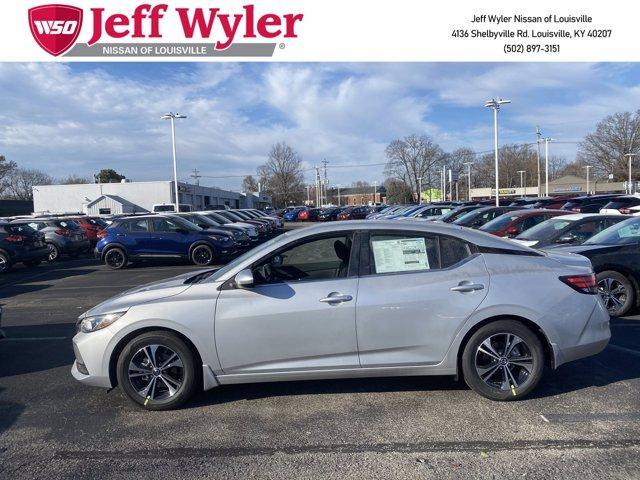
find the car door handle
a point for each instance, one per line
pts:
(466, 286)
(335, 297)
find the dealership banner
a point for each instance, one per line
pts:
(319, 30)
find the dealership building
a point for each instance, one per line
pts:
(134, 197)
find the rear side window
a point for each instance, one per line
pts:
(137, 225)
(452, 251)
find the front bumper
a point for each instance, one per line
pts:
(89, 365)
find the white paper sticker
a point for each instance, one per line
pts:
(400, 255)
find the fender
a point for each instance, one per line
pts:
(112, 245)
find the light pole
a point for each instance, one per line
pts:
(588, 167)
(419, 190)
(538, 135)
(468, 164)
(522, 187)
(308, 198)
(546, 165)
(172, 117)
(495, 105)
(338, 194)
(630, 155)
(375, 191)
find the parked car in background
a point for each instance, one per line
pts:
(19, 243)
(478, 217)
(91, 227)
(615, 256)
(304, 306)
(588, 203)
(240, 237)
(292, 215)
(276, 222)
(161, 236)
(550, 202)
(255, 232)
(572, 229)
(511, 224)
(456, 213)
(385, 211)
(431, 212)
(354, 213)
(309, 215)
(626, 205)
(264, 227)
(329, 214)
(170, 207)
(524, 202)
(62, 237)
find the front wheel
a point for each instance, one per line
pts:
(202, 255)
(157, 370)
(616, 291)
(503, 360)
(5, 263)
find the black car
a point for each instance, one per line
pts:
(329, 214)
(456, 213)
(567, 230)
(615, 255)
(588, 203)
(478, 217)
(20, 243)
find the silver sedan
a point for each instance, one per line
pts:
(353, 299)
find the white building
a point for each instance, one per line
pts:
(130, 197)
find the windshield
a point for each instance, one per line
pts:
(455, 214)
(186, 224)
(467, 217)
(498, 223)
(219, 218)
(205, 219)
(623, 233)
(545, 230)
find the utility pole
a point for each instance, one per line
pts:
(630, 156)
(588, 167)
(375, 191)
(317, 187)
(468, 164)
(419, 190)
(546, 165)
(522, 186)
(444, 183)
(195, 176)
(538, 135)
(450, 186)
(338, 194)
(308, 199)
(326, 181)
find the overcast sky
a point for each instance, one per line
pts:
(79, 118)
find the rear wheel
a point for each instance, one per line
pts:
(54, 252)
(5, 262)
(503, 360)
(202, 255)
(157, 370)
(617, 292)
(115, 258)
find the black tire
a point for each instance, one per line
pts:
(116, 258)
(202, 255)
(617, 292)
(33, 263)
(54, 253)
(189, 378)
(520, 381)
(5, 263)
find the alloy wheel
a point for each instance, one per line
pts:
(156, 372)
(53, 252)
(504, 361)
(115, 258)
(614, 294)
(4, 264)
(202, 255)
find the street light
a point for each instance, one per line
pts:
(546, 165)
(588, 167)
(172, 117)
(522, 185)
(419, 190)
(630, 155)
(468, 164)
(375, 191)
(495, 105)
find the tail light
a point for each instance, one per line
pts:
(15, 238)
(625, 211)
(582, 283)
(63, 231)
(101, 234)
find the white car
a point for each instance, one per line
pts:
(627, 205)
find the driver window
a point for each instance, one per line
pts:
(319, 259)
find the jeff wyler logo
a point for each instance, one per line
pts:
(56, 29)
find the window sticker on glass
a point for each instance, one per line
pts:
(400, 255)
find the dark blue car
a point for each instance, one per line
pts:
(161, 236)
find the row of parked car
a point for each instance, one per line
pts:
(604, 228)
(201, 237)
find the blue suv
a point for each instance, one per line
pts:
(161, 236)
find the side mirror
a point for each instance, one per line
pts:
(244, 278)
(566, 239)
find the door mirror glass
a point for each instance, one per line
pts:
(244, 278)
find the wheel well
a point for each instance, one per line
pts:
(113, 361)
(111, 247)
(201, 242)
(546, 345)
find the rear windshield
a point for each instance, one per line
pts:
(499, 223)
(623, 202)
(22, 229)
(545, 229)
(70, 224)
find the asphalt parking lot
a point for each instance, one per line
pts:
(583, 421)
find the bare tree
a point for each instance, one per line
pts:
(414, 157)
(282, 175)
(249, 184)
(73, 179)
(21, 182)
(397, 191)
(614, 137)
(360, 184)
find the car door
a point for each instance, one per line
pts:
(168, 238)
(138, 237)
(298, 316)
(416, 292)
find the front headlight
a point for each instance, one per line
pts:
(98, 322)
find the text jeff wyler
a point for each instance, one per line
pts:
(501, 19)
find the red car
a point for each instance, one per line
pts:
(514, 223)
(91, 227)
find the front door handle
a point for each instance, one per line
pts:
(335, 297)
(466, 286)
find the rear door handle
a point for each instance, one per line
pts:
(466, 286)
(335, 297)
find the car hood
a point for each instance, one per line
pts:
(581, 249)
(144, 294)
(526, 243)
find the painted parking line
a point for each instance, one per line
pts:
(630, 351)
(590, 417)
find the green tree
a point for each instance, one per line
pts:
(108, 175)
